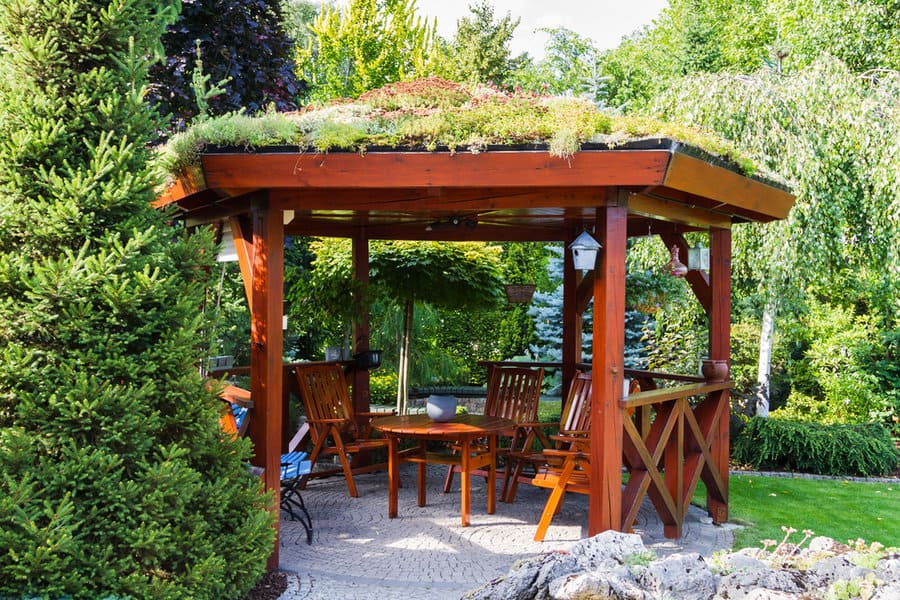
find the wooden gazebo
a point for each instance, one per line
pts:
(652, 187)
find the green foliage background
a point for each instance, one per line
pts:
(115, 478)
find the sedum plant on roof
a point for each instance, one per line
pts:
(436, 114)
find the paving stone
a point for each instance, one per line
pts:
(358, 552)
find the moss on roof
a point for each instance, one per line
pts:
(434, 114)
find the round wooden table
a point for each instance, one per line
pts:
(463, 430)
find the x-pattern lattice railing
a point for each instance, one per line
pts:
(668, 445)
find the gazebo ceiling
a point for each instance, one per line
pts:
(502, 194)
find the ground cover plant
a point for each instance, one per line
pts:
(837, 508)
(115, 477)
(433, 113)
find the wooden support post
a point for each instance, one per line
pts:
(608, 370)
(720, 349)
(266, 347)
(571, 317)
(361, 330)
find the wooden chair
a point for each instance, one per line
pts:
(332, 421)
(295, 464)
(566, 471)
(574, 423)
(512, 393)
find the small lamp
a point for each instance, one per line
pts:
(698, 258)
(584, 251)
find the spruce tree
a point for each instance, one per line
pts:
(115, 479)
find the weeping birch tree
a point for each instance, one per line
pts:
(836, 135)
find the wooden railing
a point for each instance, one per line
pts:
(669, 444)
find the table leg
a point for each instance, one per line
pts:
(465, 479)
(393, 475)
(492, 474)
(423, 448)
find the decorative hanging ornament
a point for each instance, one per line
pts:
(675, 267)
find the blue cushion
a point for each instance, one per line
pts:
(239, 413)
(295, 464)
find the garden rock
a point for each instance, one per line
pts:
(890, 591)
(607, 546)
(684, 576)
(617, 566)
(739, 584)
(597, 584)
(827, 571)
(888, 569)
(740, 561)
(528, 579)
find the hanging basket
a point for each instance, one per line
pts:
(519, 293)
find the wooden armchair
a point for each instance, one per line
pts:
(512, 393)
(566, 471)
(574, 425)
(333, 423)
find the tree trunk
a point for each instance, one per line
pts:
(766, 340)
(403, 367)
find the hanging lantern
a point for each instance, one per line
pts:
(675, 267)
(584, 251)
(698, 258)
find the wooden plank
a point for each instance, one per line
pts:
(266, 348)
(720, 349)
(675, 392)
(191, 181)
(427, 169)
(690, 174)
(585, 292)
(673, 464)
(605, 500)
(674, 212)
(242, 232)
(642, 457)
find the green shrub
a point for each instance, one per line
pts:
(767, 443)
(383, 388)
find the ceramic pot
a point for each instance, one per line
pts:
(714, 370)
(441, 408)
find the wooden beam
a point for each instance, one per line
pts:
(698, 280)
(668, 210)
(446, 200)
(392, 170)
(266, 348)
(417, 231)
(605, 500)
(689, 174)
(585, 292)
(720, 349)
(242, 233)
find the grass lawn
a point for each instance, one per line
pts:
(838, 509)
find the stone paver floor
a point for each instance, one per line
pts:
(358, 552)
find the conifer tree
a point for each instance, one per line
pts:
(115, 480)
